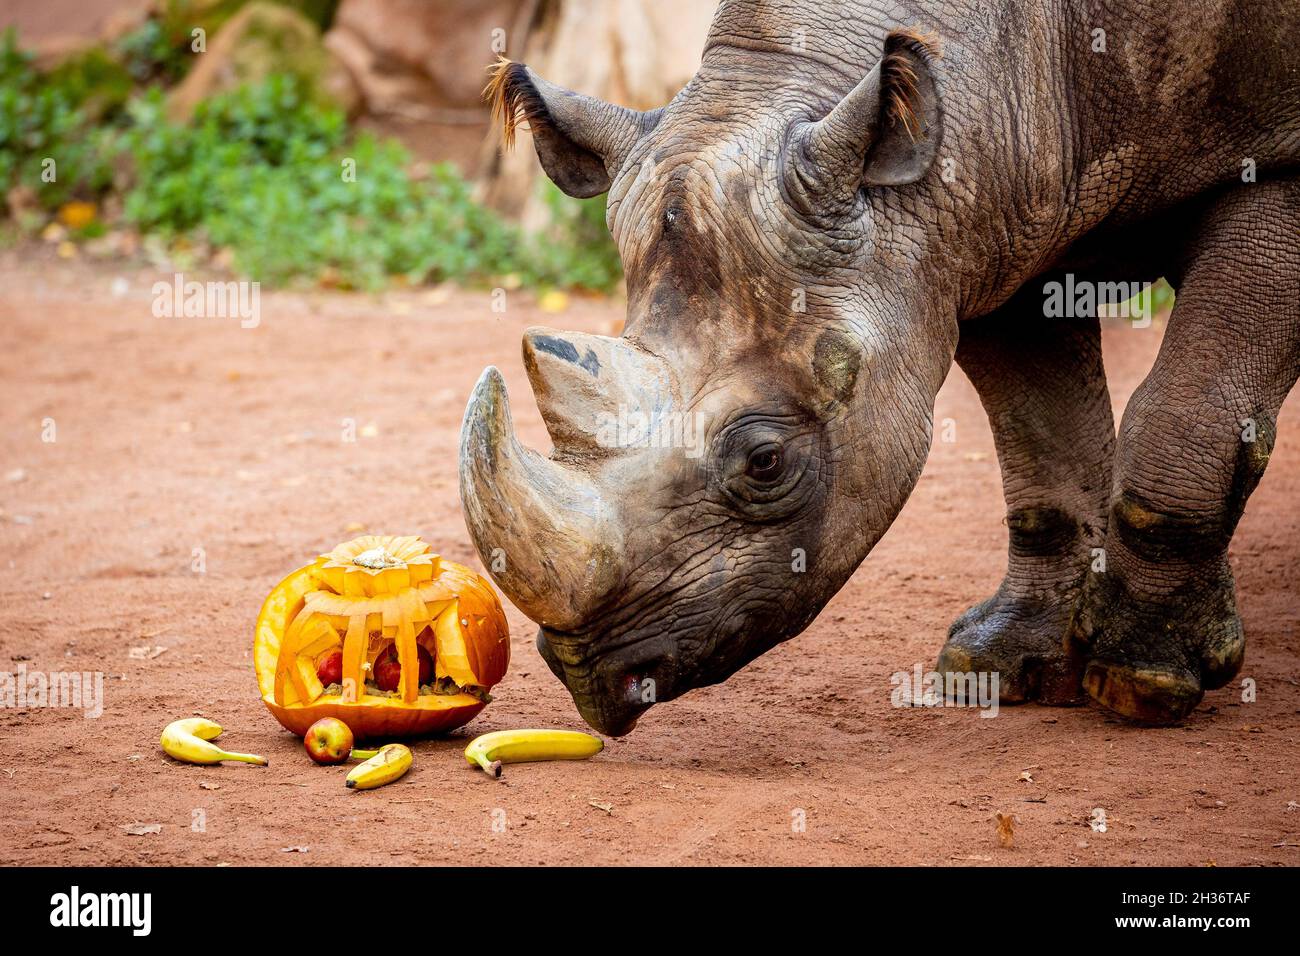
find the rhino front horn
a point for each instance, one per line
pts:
(540, 527)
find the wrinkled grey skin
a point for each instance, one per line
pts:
(802, 273)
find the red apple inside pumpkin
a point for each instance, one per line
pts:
(329, 668)
(388, 670)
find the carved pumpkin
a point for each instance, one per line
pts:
(364, 599)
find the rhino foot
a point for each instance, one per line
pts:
(1152, 659)
(1021, 639)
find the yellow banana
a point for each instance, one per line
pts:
(187, 740)
(490, 751)
(387, 765)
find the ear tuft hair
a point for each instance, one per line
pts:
(512, 97)
(898, 79)
(579, 139)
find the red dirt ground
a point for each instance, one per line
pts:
(175, 434)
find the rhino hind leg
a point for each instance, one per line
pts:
(1042, 382)
(1160, 623)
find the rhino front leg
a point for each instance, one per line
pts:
(1042, 382)
(1161, 622)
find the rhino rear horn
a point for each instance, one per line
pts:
(596, 393)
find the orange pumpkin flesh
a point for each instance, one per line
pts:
(358, 598)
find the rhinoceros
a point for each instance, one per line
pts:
(846, 198)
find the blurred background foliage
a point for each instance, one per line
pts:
(265, 176)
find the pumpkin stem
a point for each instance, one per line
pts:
(376, 559)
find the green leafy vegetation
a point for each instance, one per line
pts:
(156, 52)
(275, 179)
(47, 142)
(576, 249)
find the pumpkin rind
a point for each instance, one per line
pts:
(328, 604)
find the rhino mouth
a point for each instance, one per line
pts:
(612, 689)
(614, 684)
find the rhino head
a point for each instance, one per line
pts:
(721, 469)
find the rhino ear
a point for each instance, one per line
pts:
(580, 140)
(910, 127)
(885, 132)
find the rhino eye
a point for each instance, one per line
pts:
(764, 463)
(765, 472)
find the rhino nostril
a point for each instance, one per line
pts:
(632, 688)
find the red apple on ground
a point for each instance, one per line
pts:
(388, 670)
(329, 668)
(328, 741)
